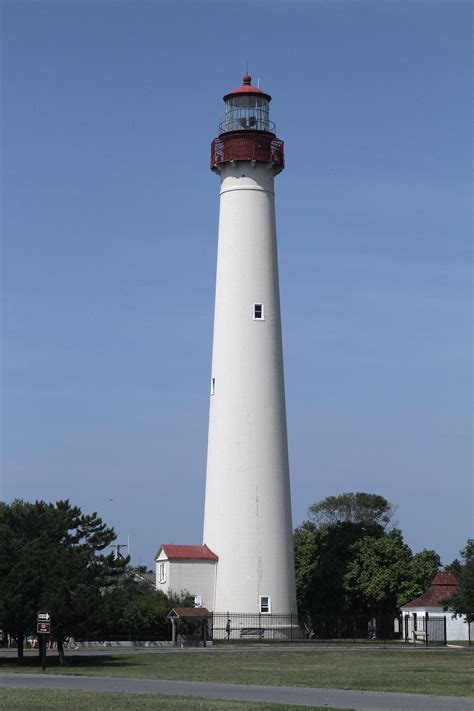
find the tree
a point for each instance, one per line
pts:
(462, 602)
(349, 561)
(383, 573)
(51, 557)
(321, 559)
(134, 607)
(423, 567)
(455, 567)
(359, 508)
(306, 551)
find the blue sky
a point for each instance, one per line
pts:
(109, 249)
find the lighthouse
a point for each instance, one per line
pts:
(247, 519)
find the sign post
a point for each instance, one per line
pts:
(43, 628)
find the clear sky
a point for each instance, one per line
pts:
(109, 251)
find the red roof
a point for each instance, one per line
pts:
(188, 552)
(180, 612)
(247, 88)
(443, 584)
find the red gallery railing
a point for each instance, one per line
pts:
(247, 145)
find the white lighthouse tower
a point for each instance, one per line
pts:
(247, 520)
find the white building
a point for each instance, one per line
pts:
(189, 569)
(430, 603)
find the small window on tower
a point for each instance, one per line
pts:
(213, 386)
(258, 312)
(265, 605)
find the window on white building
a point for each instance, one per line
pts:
(265, 604)
(213, 386)
(161, 573)
(259, 312)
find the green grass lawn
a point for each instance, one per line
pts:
(58, 700)
(446, 672)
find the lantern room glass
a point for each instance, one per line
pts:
(247, 112)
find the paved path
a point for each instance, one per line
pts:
(337, 698)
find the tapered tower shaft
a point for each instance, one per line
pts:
(248, 508)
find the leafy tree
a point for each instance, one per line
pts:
(462, 602)
(321, 559)
(141, 569)
(358, 508)
(306, 551)
(134, 607)
(51, 557)
(383, 573)
(455, 567)
(423, 567)
(349, 561)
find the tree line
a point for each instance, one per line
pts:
(53, 557)
(350, 559)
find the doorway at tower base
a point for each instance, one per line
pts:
(235, 626)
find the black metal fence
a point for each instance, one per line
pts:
(269, 627)
(425, 629)
(352, 627)
(246, 626)
(254, 627)
(422, 629)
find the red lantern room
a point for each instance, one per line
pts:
(246, 131)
